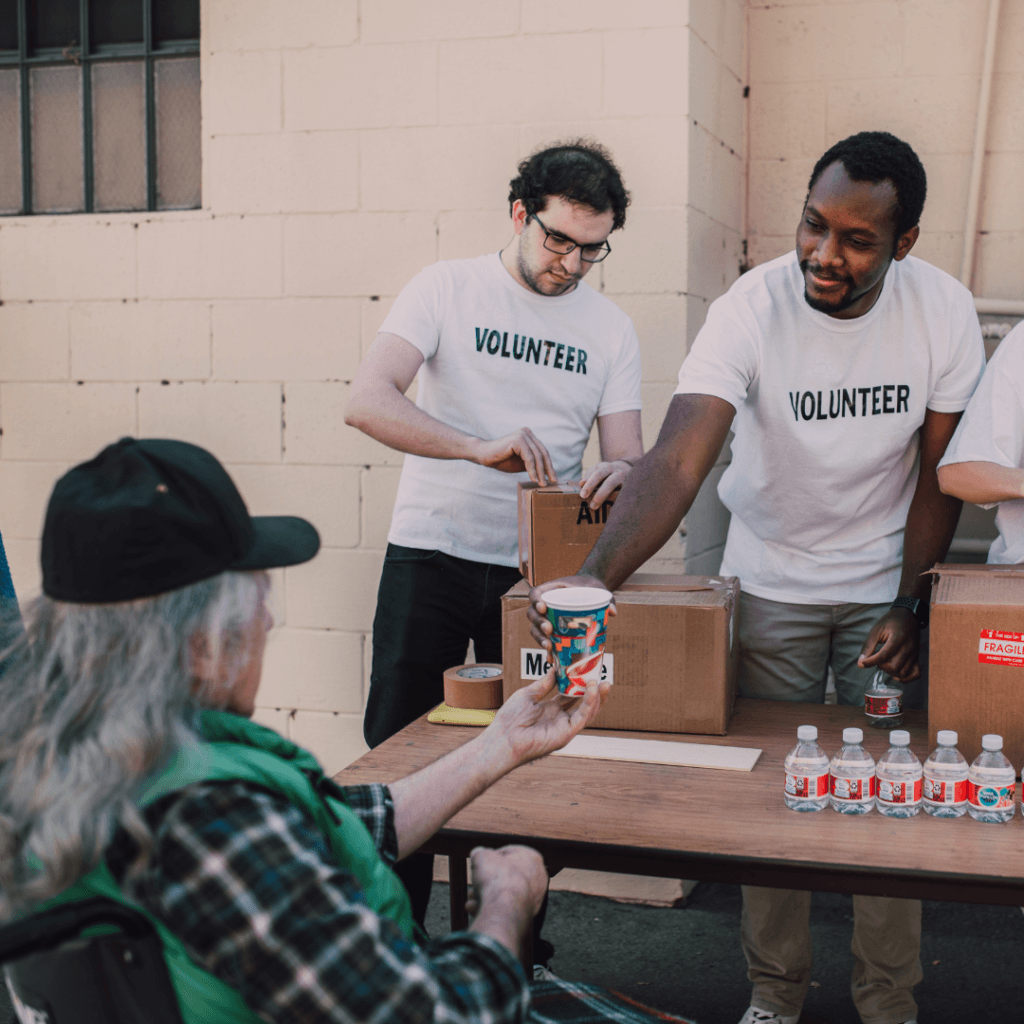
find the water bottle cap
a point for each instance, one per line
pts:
(947, 737)
(853, 735)
(991, 741)
(899, 738)
(807, 733)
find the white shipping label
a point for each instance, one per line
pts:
(533, 664)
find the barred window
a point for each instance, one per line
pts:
(99, 105)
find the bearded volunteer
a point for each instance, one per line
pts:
(843, 368)
(984, 463)
(517, 355)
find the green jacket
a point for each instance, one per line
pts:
(236, 749)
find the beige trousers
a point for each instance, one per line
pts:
(785, 653)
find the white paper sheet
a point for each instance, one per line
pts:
(690, 755)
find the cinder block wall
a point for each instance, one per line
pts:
(821, 71)
(345, 146)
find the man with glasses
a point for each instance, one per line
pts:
(519, 356)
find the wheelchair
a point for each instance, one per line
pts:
(57, 975)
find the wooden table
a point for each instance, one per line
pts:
(714, 825)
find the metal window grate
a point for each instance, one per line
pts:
(99, 105)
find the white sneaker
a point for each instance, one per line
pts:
(541, 973)
(756, 1016)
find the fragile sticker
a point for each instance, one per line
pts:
(1000, 647)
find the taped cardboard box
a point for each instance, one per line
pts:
(976, 656)
(670, 654)
(557, 529)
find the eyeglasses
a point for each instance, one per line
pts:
(556, 242)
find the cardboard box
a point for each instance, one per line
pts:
(557, 529)
(671, 652)
(976, 656)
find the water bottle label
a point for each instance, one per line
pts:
(882, 707)
(906, 791)
(807, 786)
(991, 798)
(856, 791)
(942, 792)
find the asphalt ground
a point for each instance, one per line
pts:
(687, 960)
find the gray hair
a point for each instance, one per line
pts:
(95, 698)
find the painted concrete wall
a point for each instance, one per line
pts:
(820, 71)
(346, 145)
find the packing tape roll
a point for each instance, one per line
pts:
(473, 686)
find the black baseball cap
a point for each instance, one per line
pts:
(152, 515)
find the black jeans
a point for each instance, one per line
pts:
(429, 606)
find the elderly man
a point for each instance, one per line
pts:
(517, 356)
(131, 770)
(843, 368)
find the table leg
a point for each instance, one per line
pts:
(458, 891)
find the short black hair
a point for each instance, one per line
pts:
(579, 171)
(879, 156)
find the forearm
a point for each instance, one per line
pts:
(505, 917)
(981, 483)
(383, 412)
(425, 800)
(931, 523)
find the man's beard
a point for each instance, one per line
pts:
(528, 276)
(827, 307)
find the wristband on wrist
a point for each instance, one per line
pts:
(916, 607)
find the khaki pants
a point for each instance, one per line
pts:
(785, 654)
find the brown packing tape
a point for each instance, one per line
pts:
(473, 686)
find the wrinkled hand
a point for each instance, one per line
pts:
(514, 877)
(599, 482)
(540, 627)
(516, 453)
(899, 636)
(537, 719)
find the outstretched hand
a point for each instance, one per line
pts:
(538, 719)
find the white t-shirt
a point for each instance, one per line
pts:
(992, 430)
(824, 463)
(498, 357)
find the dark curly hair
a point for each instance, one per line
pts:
(879, 156)
(580, 171)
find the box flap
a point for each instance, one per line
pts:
(672, 582)
(956, 584)
(968, 569)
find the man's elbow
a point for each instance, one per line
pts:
(948, 481)
(358, 413)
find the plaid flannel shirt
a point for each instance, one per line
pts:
(247, 882)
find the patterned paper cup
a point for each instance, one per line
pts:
(577, 616)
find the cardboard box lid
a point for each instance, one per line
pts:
(665, 588)
(957, 584)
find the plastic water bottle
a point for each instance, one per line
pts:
(945, 778)
(883, 703)
(991, 783)
(899, 778)
(852, 776)
(806, 773)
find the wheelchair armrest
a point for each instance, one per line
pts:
(50, 928)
